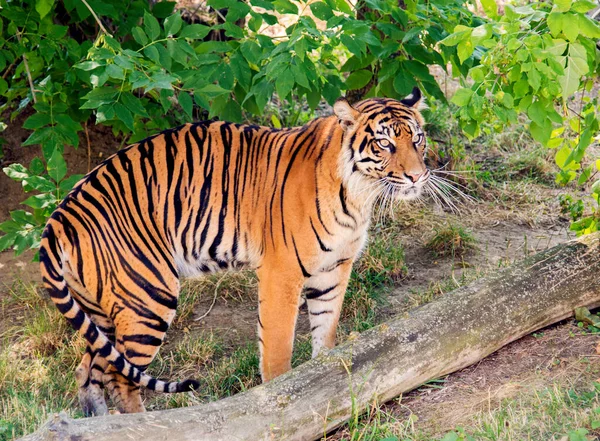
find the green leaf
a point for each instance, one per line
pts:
(10, 226)
(588, 27)
(7, 241)
(40, 183)
(508, 101)
(88, 65)
(233, 31)
(558, 47)
(151, 26)
(490, 8)
(36, 166)
(300, 75)
(476, 107)
(124, 115)
(57, 167)
(213, 90)
(36, 121)
(16, 172)
(321, 10)
(133, 104)
(541, 133)
(576, 67)
(537, 112)
(450, 436)
(251, 51)
(115, 72)
(67, 184)
(173, 24)
(534, 79)
(358, 79)
(285, 7)
(139, 36)
(464, 50)
(40, 200)
(477, 74)
(462, 97)
(457, 37)
(177, 52)
(563, 5)
(43, 7)
(354, 45)
(583, 6)
(343, 6)
(186, 103)
(255, 22)
(284, 83)
(571, 27)
(555, 23)
(195, 31)
(163, 9)
(152, 53)
(275, 121)
(585, 175)
(232, 111)
(241, 70)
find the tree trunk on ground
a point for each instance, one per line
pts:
(439, 338)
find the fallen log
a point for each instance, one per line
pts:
(434, 340)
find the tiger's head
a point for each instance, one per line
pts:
(384, 144)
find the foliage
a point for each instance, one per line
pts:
(531, 61)
(138, 68)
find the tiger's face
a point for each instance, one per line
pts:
(385, 143)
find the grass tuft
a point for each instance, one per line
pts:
(451, 240)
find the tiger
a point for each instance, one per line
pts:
(292, 204)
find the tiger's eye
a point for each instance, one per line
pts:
(384, 143)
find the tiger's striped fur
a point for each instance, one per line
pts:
(293, 204)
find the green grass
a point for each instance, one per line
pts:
(38, 357)
(451, 240)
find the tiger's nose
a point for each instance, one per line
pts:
(412, 176)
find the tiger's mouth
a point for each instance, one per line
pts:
(406, 191)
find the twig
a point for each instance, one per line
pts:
(214, 299)
(96, 18)
(8, 69)
(26, 64)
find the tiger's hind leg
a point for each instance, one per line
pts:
(140, 330)
(91, 393)
(89, 375)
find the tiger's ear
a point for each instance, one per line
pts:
(415, 100)
(347, 115)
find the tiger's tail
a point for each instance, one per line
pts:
(56, 286)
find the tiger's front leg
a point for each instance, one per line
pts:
(324, 296)
(279, 292)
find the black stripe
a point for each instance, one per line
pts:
(314, 293)
(304, 272)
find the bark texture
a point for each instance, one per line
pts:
(439, 338)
